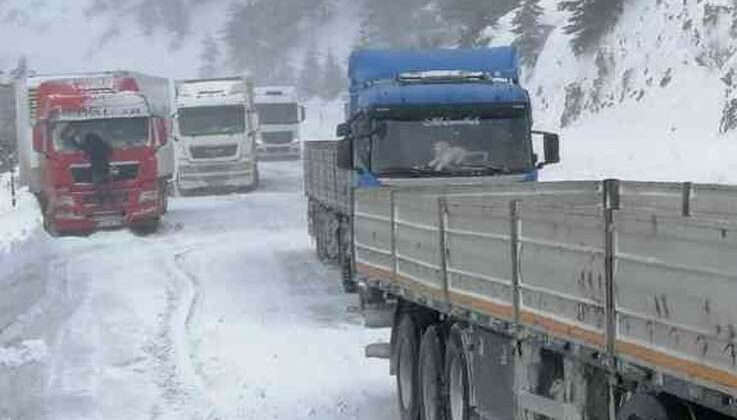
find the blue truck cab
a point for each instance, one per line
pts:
(440, 113)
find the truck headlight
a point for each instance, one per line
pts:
(148, 196)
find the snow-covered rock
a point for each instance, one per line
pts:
(651, 102)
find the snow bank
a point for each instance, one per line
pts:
(19, 222)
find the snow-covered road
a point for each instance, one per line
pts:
(223, 314)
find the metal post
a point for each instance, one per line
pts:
(443, 236)
(395, 260)
(514, 233)
(687, 192)
(611, 204)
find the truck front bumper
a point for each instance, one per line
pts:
(121, 207)
(196, 176)
(288, 151)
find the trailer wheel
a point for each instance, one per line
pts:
(431, 376)
(407, 367)
(349, 285)
(645, 406)
(146, 227)
(456, 378)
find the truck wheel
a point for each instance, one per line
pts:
(431, 376)
(456, 378)
(407, 375)
(349, 284)
(642, 406)
(165, 203)
(319, 242)
(146, 227)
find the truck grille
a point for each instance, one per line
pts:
(111, 198)
(280, 137)
(118, 172)
(212, 152)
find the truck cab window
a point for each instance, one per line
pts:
(455, 143)
(212, 120)
(119, 133)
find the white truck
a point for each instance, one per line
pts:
(280, 115)
(216, 130)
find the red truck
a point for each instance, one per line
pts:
(130, 113)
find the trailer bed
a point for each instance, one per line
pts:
(642, 273)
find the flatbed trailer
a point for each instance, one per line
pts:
(329, 193)
(562, 300)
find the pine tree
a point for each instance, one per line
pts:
(389, 23)
(309, 79)
(21, 70)
(471, 17)
(209, 57)
(590, 20)
(530, 32)
(261, 36)
(333, 78)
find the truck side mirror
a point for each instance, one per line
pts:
(302, 113)
(39, 139)
(345, 155)
(343, 130)
(551, 144)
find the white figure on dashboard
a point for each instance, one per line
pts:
(447, 155)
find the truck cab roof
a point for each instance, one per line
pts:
(212, 92)
(440, 94)
(434, 77)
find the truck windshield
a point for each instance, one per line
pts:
(119, 133)
(458, 146)
(278, 113)
(212, 120)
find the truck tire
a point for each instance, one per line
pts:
(407, 369)
(347, 281)
(456, 378)
(146, 227)
(431, 376)
(647, 406)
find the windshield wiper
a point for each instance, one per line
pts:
(483, 168)
(416, 172)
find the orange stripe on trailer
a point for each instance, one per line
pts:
(564, 329)
(491, 308)
(686, 367)
(415, 286)
(374, 273)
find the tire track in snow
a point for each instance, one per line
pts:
(177, 378)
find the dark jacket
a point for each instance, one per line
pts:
(98, 151)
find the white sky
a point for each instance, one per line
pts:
(60, 38)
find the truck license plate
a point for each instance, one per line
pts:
(109, 222)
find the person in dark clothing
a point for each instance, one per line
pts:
(98, 152)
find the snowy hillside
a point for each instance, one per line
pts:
(648, 103)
